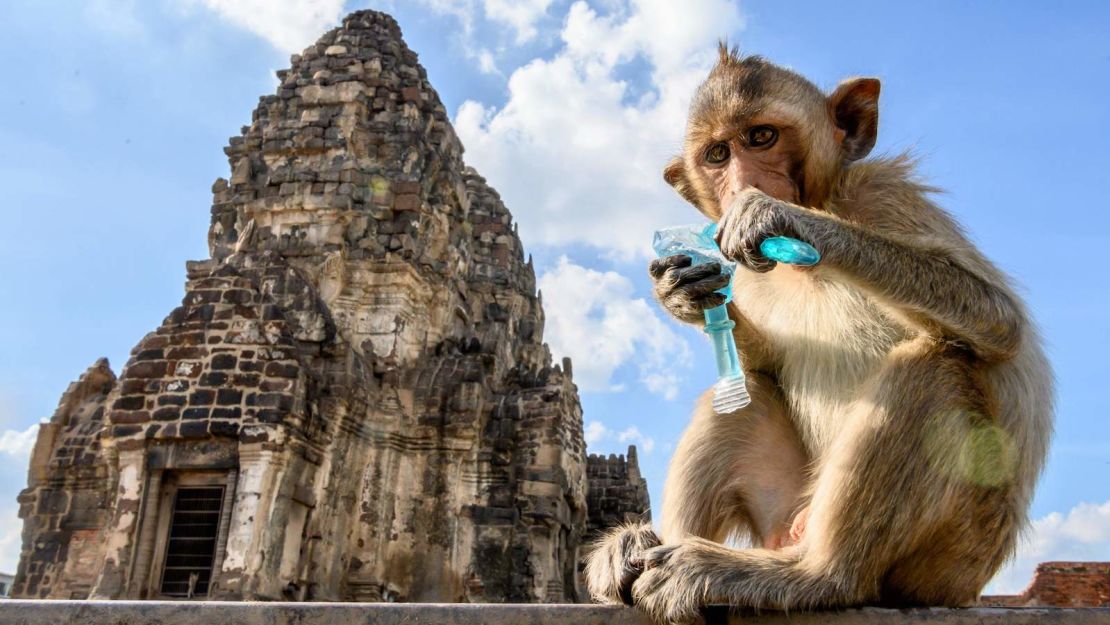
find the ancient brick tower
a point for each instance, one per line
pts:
(616, 493)
(353, 401)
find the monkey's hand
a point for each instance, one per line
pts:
(609, 569)
(684, 291)
(753, 218)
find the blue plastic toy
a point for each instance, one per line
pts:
(730, 393)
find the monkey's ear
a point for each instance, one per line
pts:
(855, 110)
(675, 175)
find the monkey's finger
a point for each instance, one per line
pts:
(747, 254)
(697, 273)
(715, 282)
(759, 263)
(719, 236)
(659, 266)
(712, 300)
(701, 288)
(728, 228)
(656, 556)
(763, 267)
(729, 241)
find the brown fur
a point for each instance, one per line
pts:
(900, 394)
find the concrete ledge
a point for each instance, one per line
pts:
(21, 612)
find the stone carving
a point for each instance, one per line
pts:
(353, 401)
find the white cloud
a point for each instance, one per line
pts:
(593, 317)
(522, 15)
(1082, 534)
(633, 435)
(486, 62)
(467, 14)
(576, 151)
(289, 25)
(18, 444)
(15, 453)
(465, 11)
(597, 434)
(11, 539)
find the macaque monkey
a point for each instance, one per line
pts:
(901, 403)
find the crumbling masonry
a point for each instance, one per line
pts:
(617, 492)
(353, 401)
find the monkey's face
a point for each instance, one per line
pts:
(762, 151)
(754, 124)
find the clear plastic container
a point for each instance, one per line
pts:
(730, 393)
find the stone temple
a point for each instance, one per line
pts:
(353, 401)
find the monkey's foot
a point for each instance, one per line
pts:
(678, 579)
(610, 572)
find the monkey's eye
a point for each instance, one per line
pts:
(762, 136)
(717, 153)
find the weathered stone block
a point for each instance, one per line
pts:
(231, 414)
(169, 413)
(192, 429)
(130, 402)
(130, 416)
(229, 396)
(146, 369)
(227, 429)
(215, 378)
(202, 397)
(223, 361)
(196, 414)
(281, 370)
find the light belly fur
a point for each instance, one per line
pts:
(830, 336)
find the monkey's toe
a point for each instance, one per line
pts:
(657, 556)
(668, 596)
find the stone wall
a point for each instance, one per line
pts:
(359, 365)
(617, 493)
(69, 500)
(18, 612)
(1062, 584)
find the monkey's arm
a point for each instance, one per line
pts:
(926, 283)
(929, 285)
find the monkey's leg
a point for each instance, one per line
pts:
(912, 503)
(915, 502)
(736, 474)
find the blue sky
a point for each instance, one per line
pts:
(114, 115)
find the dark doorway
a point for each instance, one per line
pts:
(191, 544)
